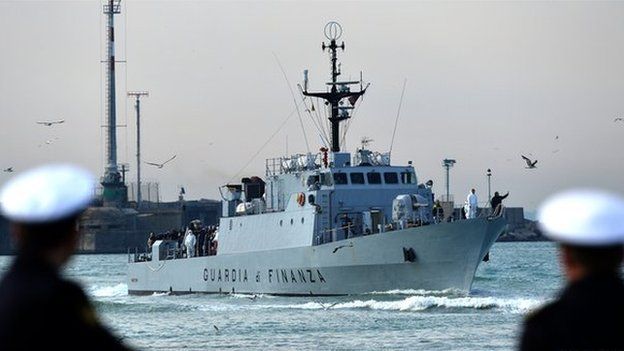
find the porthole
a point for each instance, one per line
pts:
(281, 222)
(302, 220)
(291, 221)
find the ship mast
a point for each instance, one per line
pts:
(114, 190)
(339, 90)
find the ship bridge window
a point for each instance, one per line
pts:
(408, 178)
(374, 177)
(391, 178)
(312, 180)
(357, 178)
(326, 179)
(340, 178)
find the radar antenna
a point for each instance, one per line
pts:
(339, 90)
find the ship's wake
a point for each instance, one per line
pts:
(422, 292)
(422, 303)
(394, 300)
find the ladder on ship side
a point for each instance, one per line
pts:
(324, 230)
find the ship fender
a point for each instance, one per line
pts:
(301, 199)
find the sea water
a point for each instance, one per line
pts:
(518, 279)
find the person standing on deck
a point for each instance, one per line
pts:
(472, 204)
(497, 201)
(190, 242)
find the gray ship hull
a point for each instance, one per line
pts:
(446, 257)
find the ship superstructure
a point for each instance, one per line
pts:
(329, 223)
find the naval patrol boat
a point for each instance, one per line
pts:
(330, 223)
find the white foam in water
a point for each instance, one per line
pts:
(250, 296)
(120, 289)
(420, 292)
(420, 303)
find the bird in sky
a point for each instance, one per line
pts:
(557, 137)
(161, 165)
(8, 170)
(48, 142)
(618, 119)
(50, 123)
(530, 164)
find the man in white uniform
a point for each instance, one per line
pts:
(190, 242)
(472, 204)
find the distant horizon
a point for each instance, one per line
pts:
(487, 82)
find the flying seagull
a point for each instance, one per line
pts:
(530, 164)
(8, 170)
(618, 119)
(50, 123)
(161, 165)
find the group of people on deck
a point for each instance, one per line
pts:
(196, 240)
(470, 207)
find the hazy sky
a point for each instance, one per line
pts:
(486, 82)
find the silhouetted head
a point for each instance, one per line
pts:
(43, 206)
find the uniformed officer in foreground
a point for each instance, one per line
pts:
(38, 307)
(589, 313)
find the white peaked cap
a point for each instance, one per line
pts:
(583, 217)
(47, 194)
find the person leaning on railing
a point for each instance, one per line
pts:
(497, 202)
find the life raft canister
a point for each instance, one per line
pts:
(301, 199)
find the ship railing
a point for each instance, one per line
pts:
(136, 256)
(352, 231)
(294, 163)
(274, 166)
(482, 212)
(330, 235)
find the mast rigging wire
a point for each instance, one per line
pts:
(318, 127)
(265, 144)
(292, 93)
(396, 121)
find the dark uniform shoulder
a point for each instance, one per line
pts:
(589, 315)
(544, 313)
(38, 306)
(538, 327)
